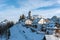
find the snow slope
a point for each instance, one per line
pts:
(19, 32)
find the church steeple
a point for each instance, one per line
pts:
(29, 14)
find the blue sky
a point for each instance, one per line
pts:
(11, 9)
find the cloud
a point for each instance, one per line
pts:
(12, 9)
(37, 3)
(47, 13)
(11, 14)
(55, 6)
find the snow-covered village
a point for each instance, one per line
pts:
(29, 19)
(31, 27)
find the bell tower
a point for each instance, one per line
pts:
(29, 14)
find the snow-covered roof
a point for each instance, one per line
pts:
(35, 21)
(28, 21)
(42, 21)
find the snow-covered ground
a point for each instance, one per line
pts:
(18, 32)
(52, 37)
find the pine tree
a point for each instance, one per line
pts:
(22, 17)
